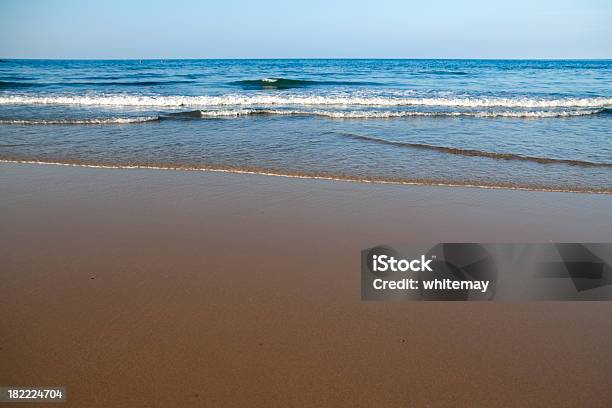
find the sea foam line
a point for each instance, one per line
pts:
(311, 177)
(391, 114)
(91, 121)
(330, 114)
(304, 100)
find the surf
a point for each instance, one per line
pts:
(89, 121)
(374, 114)
(299, 99)
(315, 176)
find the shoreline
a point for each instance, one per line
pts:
(147, 288)
(347, 179)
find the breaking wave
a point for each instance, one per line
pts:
(302, 100)
(380, 114)
(330, 114)
(93, 121)
(477, 153)
(282, 83)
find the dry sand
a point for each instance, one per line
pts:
(137, 288)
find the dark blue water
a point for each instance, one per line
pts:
(526, 124)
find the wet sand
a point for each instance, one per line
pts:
(160, 288)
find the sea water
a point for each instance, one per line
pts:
(543, 125)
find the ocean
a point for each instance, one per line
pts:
(538, 125)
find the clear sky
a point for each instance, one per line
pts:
(309, 29)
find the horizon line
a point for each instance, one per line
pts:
(308, 58)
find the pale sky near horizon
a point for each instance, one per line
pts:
(305, 29)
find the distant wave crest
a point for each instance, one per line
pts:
(16, 84)
(125, 83)
(285, 83)
(440, 72)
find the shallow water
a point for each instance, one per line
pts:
(523, 124)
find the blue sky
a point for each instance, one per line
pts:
(309, 29)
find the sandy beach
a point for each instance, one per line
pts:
(158, 288)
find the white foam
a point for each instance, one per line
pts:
(311, 177)
(221, 113)
(396, 114)
(303, 100)
(94, 121)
